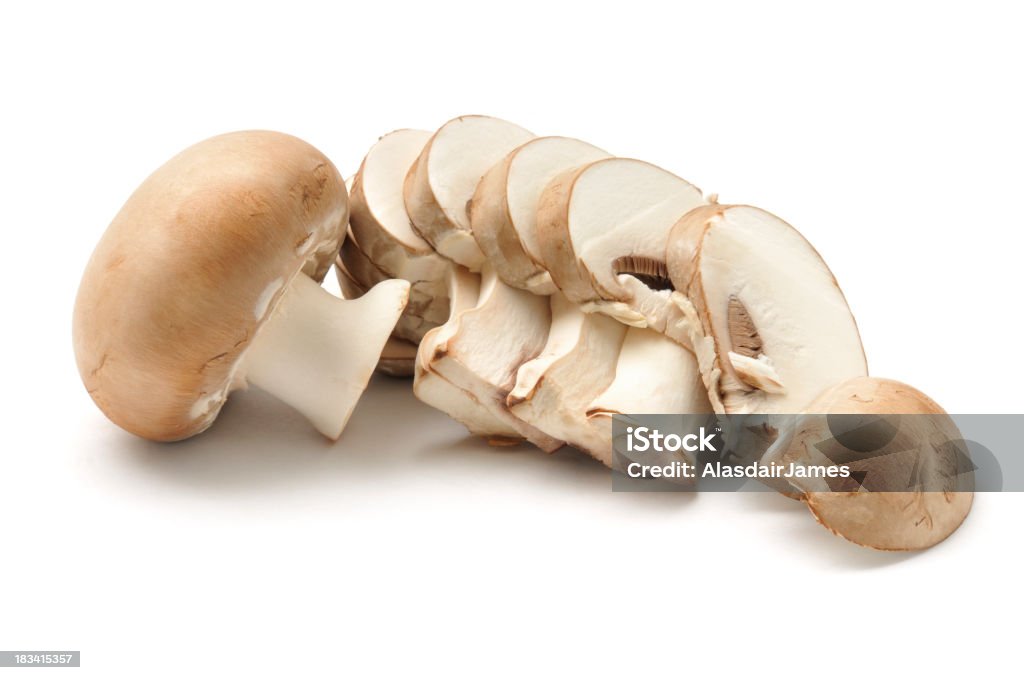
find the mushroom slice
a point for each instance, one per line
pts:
(653, 374)
(769, 325)
(435, 390)
(487, 345)
(207, 279)
(554, 392)
(397, 359)
(503, 212)
(441, 182)
(379, 221)
(428, 299)
(602, 232)
(893, 451)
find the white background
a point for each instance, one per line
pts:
(889, 134)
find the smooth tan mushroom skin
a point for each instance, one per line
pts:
(739, 374)
(232, 218)
(885, 520)
(490, 214)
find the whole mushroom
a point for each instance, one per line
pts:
(208, 280)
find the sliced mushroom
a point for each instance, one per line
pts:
(603, 229)
(920, 452)
(485, 346)
(434, 390)
(503, 212)
(441, 182)
(397, 359)
(428, 299)
(653, 374)
(207, 280)
(769, 325)
(379, 221)
(555, 392)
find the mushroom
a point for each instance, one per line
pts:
(443, 179)
(763, 313)
(603, 229)
(428, 299)
(435, 390)
(555, 391)
(207, 280)
(398, 358)
(916, 484)
(484, 346)
(503, 212)
(653, 374)
(380, 225)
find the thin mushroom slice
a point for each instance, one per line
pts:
(503, 212)
(397, 359)
(428, 299)
(434, 389)
(653, 374)
(488, 343)
(555, 395)
(602, 231)
(905, 441)
(207, 280)
(441, 182)
(763, 313)
(379, 221)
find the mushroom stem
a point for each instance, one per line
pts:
(317, 352)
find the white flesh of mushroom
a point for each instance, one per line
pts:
(433, 389)
(618, 217)
(442, 181)
(379, 221)
(317, 352)
(767, 321)
(504, 210)
(489, 342)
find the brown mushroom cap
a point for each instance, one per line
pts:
(891, 520)
(189, 269)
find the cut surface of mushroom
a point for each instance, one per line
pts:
(555, 395)
(653, 374)
(503, 212)
(602, 231)
(435, 390)
(444, 177)
(488, 343)
(207, 279)
(379, 221)
(763, 313)
(428, 299)
(918, 447)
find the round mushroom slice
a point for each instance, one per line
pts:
(441, 182)
(379, 221)
(207, 279)
(911, 444)
(503, 212)
(763, 313)
(602, 232)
